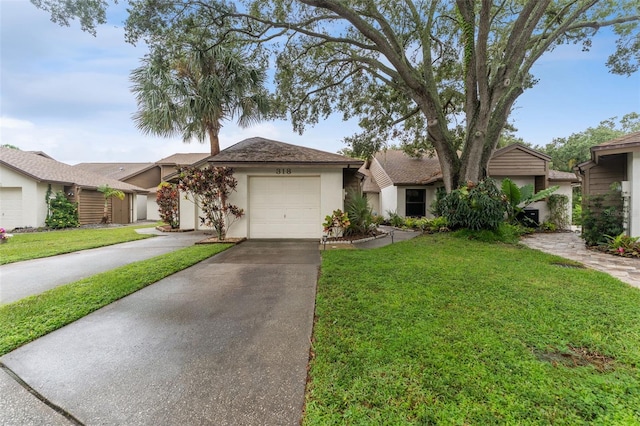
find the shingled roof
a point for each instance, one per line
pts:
(184, 159)
(405, 170)
(256, 151)
(117, 171)
(557, 175)
(630, 140)
(44, 169)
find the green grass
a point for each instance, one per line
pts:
(444, 330)
(34, 245)
(27, 319)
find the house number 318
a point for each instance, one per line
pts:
(283, 171)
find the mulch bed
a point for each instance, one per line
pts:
(356, 238)
(168, 228)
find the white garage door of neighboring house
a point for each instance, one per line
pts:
(11, 208)
(284, 207)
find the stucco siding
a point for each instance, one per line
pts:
(374, 202)
(152, 207)
(388, 200)
(331, 196)
(25, 204)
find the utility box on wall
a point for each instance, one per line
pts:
(626, 188)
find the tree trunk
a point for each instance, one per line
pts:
(214, 141)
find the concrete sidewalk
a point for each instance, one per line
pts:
(22, 279)
(225, 342)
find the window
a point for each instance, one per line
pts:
(415, 202)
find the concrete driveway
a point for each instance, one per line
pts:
(49, 272)
(225, 342)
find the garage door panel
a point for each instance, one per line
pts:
(11, 208)
(284, 207)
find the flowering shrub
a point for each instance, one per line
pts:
(3, 235)
(210, 188)
(168, 203)
(62, 212)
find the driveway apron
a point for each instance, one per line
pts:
(223, 342)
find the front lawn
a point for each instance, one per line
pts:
(444, 330)
(34, 245)
(27, 319)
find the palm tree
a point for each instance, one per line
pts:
(193, 92)
(109, 192)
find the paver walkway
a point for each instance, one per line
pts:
(570, 246)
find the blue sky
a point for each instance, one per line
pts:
(65, 92)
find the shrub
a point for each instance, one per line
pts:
(474, 206)
(411, 222)
(548, 227)
(62, 212)
(395, 219)
(623, 245)
(210, 188)
(168, 203)
(436, 206)
(439, 224)
(558, 211)
(601, 216)
(360, 214)
(336, 223)
(377, 219)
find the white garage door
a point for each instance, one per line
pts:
(284, 207)
(11, 208)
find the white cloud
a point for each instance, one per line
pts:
(14, 123)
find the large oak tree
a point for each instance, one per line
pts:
(443, 73)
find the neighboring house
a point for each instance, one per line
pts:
(395, 182)
(285, 190)
(145, 175)
(26, 176)
(617, 160)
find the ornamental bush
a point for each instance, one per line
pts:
(601, 217)
(62, 212)
(210, 188)
(168, 204)
(474, 206)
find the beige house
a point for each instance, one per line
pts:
(286, 190)
(617, 160)
(26, 176)
(395, 182)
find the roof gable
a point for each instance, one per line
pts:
(44, 169)
(260, 150)
(517, 146)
